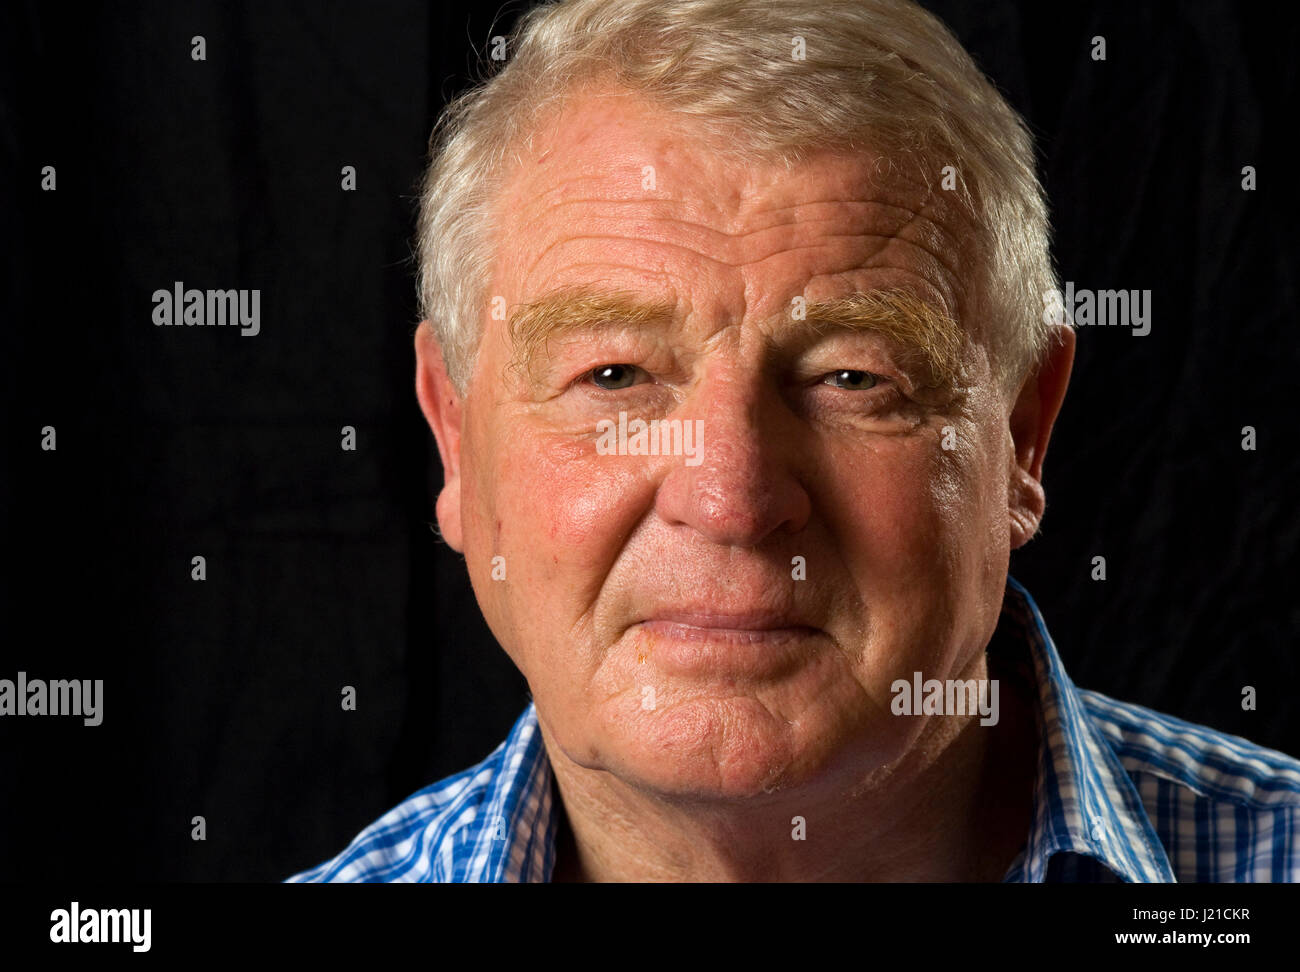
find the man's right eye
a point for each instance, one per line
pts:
(612, 377)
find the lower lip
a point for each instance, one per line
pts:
(736, 652)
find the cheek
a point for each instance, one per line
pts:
(582, 505)
(911, 523)
(918, 527)
(560, 524)
(902, 508)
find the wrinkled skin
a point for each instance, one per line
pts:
(771, 696)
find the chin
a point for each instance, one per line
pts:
(719, 748)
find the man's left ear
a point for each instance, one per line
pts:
(1032, 417)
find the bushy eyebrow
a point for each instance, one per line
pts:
(928, 340)
(582, 309)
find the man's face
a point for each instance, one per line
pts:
(729, 624)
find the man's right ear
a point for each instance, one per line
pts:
(441, 405)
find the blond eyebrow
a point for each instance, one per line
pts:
(581, 309)
(928, 339)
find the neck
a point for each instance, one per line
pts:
(956, 807)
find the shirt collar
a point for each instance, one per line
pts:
(1084, 801)
(513, 841)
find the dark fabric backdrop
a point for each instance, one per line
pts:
(222, 698)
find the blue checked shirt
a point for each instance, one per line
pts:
(1123, 794)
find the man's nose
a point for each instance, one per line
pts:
(745, 486)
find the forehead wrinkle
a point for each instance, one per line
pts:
(581, 309)
(846, 212)
(601, 188)
(657, 202)
(939, 243)
(874, 244)
(928, 337)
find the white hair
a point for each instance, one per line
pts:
(886, 71)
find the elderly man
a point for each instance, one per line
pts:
(738, 368)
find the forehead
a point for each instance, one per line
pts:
(614, 189)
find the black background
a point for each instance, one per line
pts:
(221, 698)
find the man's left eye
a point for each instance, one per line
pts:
(614, 376)
(852, 380)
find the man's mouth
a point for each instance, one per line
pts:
(714, 625)
(731, 643)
